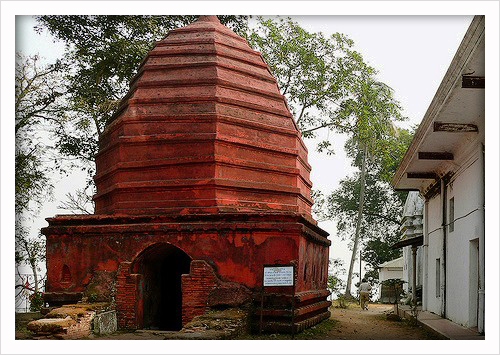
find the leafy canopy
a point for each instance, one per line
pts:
(319, 75)
(39, 91)
(38, 103)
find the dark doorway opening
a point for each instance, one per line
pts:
(161, 266)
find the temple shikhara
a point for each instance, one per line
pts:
(202, 179)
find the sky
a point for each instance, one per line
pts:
(411, 54)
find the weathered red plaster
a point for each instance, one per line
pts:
(203, 155)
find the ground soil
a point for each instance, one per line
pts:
(354, 323)
(351, 323)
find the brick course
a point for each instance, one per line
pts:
(129, 298)
(195, 289)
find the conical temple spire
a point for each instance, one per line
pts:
(208, 18)
(203, 129)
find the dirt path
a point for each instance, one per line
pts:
(356, 324)
(349, 324)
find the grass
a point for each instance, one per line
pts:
(345, 304)
(21, 320)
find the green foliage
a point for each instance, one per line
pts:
(318, 207)
(369, 115)
(381, 212)
(38, 104)
(387, 154)
(335, 283)
(378, 250)
(382, 206)
(342, 302)
(36, 301)
(317, 74)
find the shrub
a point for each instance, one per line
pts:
(36, 301)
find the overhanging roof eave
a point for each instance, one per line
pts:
(454, 73)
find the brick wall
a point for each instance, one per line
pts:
(128, 298)
(195, 289)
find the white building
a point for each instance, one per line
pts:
(392, 269)
(412, 226)
(445, 163)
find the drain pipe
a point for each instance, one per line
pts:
(443, 224)
(481, 306)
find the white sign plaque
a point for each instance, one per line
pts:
(278, 275)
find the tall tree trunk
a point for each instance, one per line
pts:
(358, 222)
(35, 276)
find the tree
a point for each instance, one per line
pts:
(39, 102)
(317, 74)
(30, 252)
(378, 251)
(374, 111)
(336, 271)
(378, 223)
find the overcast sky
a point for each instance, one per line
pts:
(411, 53)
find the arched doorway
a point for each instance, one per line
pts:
(161, 266)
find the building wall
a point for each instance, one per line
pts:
(385, 273)
(408, 265)
(462, 267)
(390, 273)
(434, 239)
(227, 255)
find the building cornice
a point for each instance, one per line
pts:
(470, 42)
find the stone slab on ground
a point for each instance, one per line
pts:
(49, 326)
(74, 321)
(442, 326)
(222, 324)
(105, 323)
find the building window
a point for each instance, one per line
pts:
(438, 277)
(451, 217)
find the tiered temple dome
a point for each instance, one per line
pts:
(203, 129)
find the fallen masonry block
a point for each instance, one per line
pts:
(46, 326)
(74, 321)
(105, 323)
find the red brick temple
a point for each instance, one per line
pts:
(202, 179)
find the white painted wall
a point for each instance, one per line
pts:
(390, 273)
(434, 251)
(461, 292)
(408, 265)
(386, 273)
(461, 255)
(406, 268)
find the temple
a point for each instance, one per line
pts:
(202, 180)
